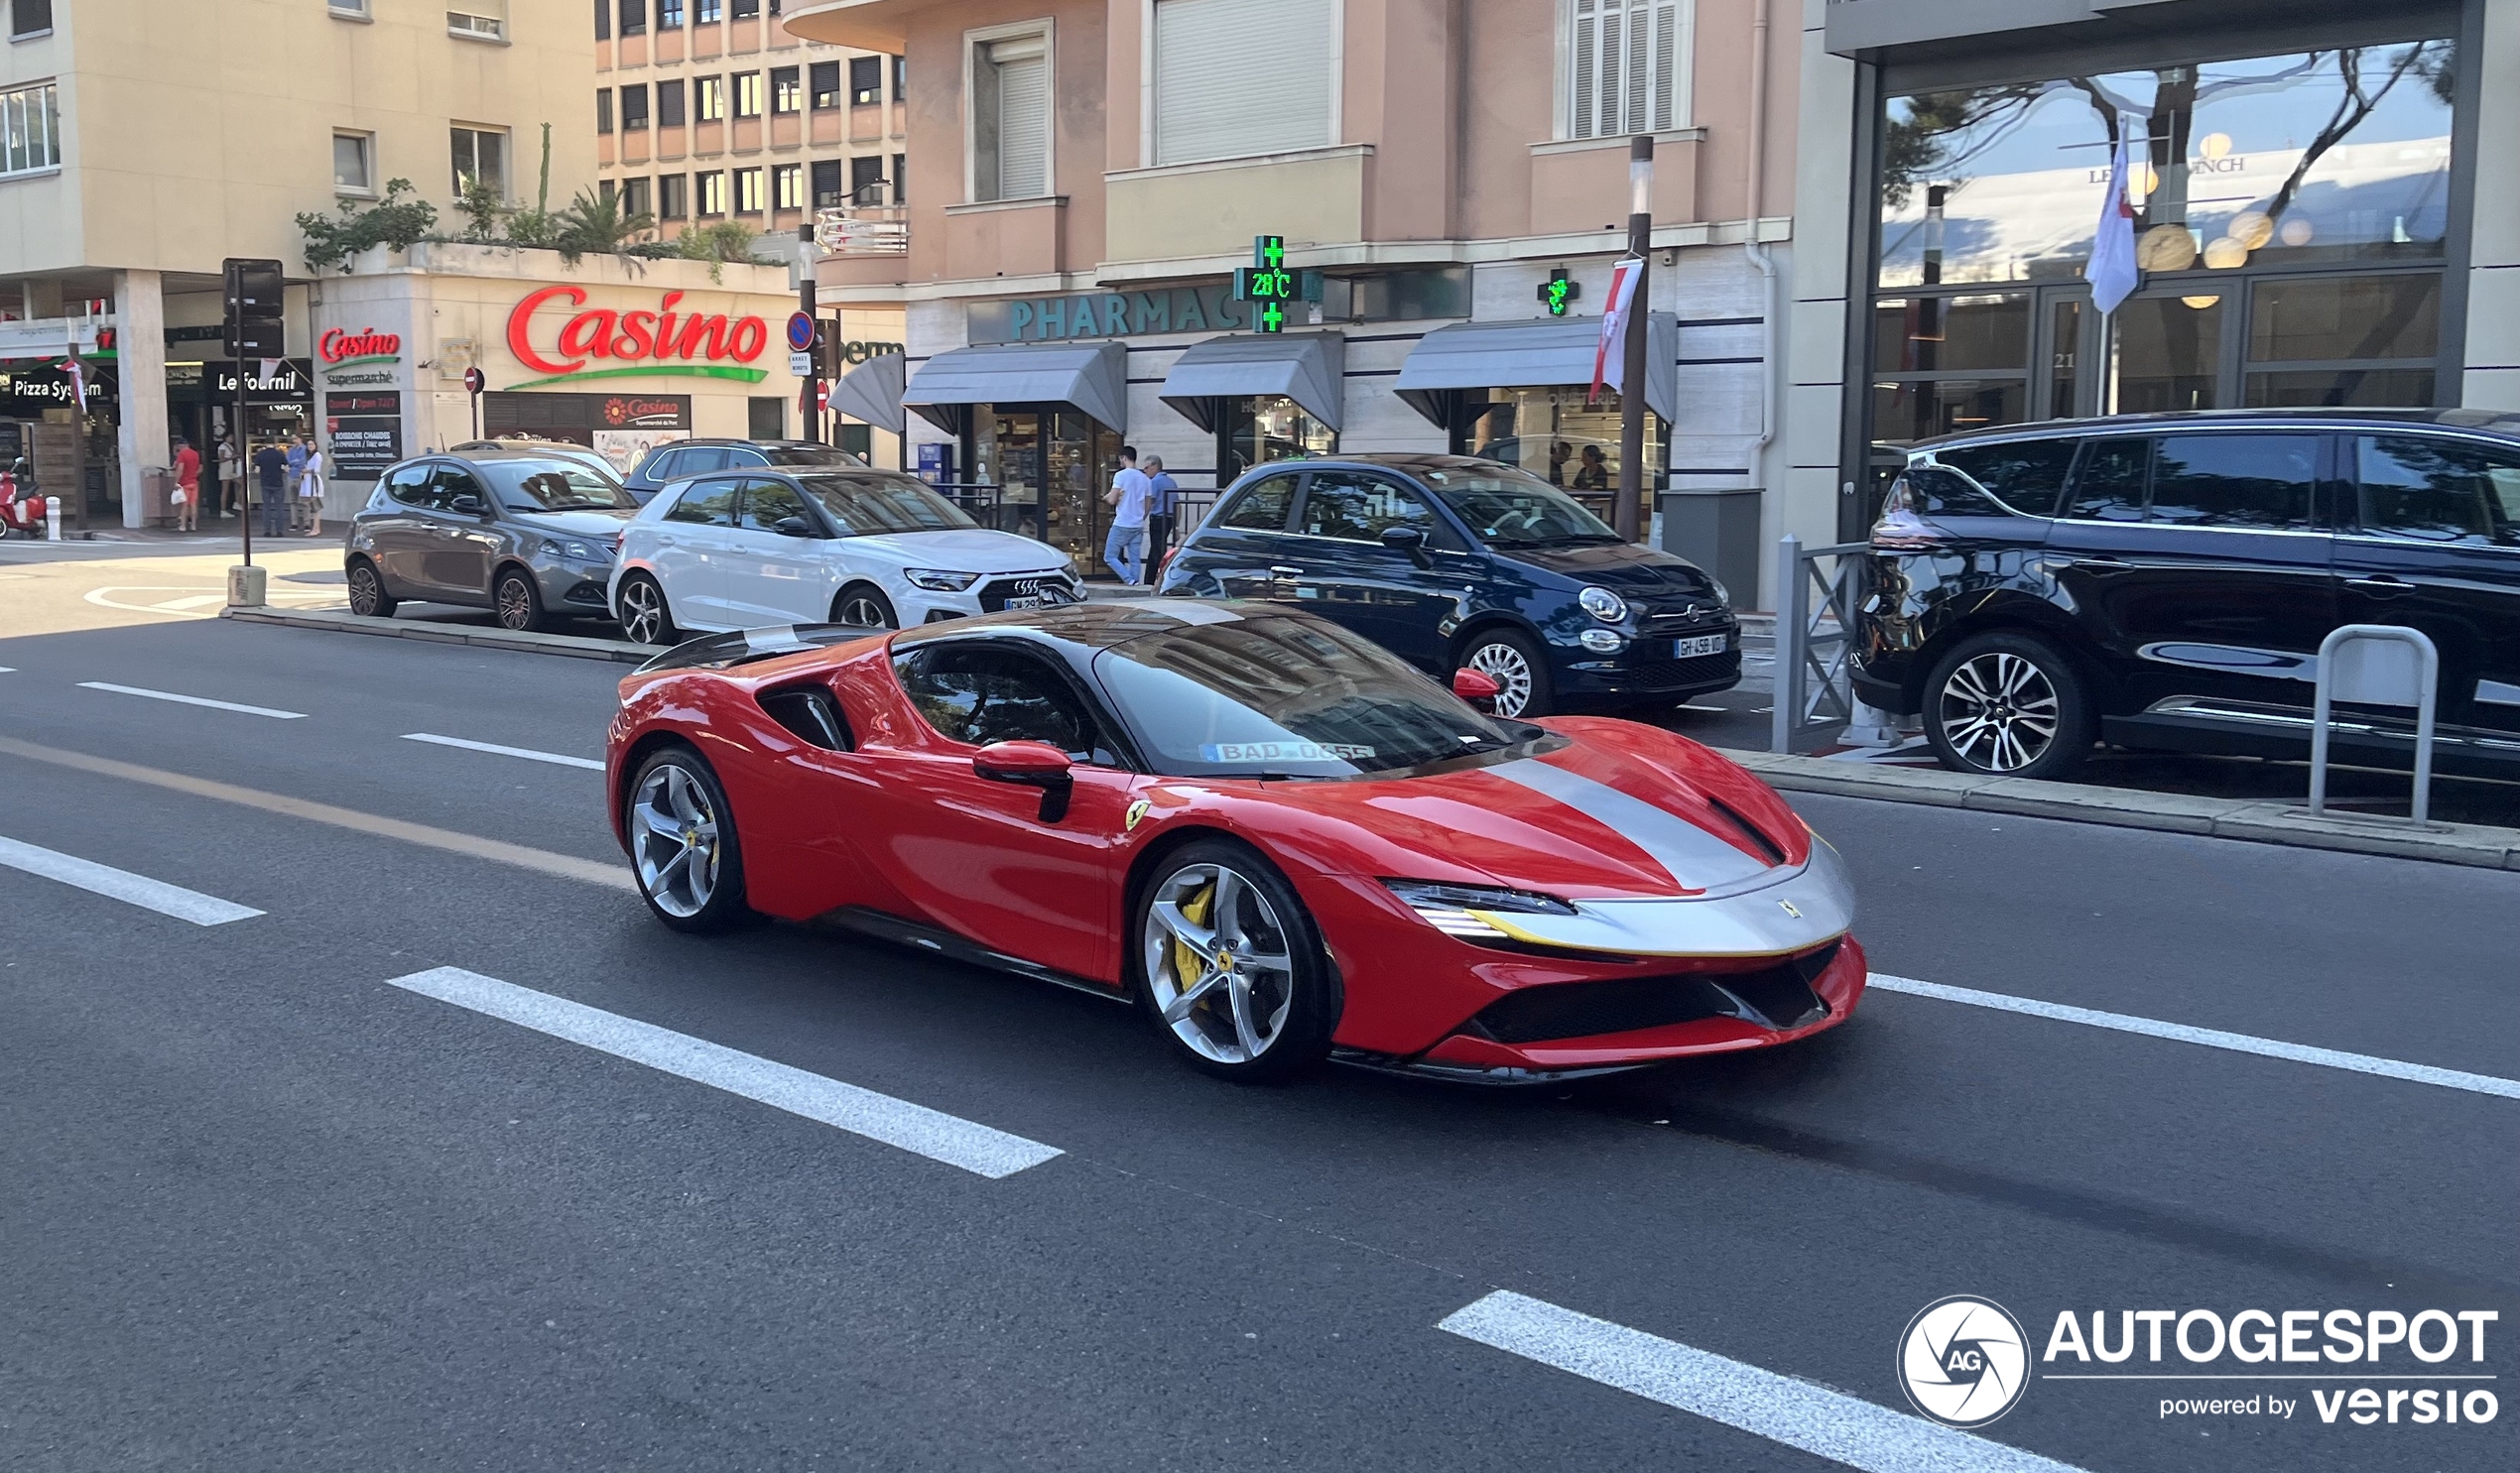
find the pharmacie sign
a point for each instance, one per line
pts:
(1206, 308)
(601, 343)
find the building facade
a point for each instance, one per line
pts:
(1085, 176)
(142, 143)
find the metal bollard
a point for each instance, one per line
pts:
(51, 518)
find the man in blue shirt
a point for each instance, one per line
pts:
(1159, 514)
(270, 467)
(297, 473)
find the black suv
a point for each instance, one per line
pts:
(676, 459)
(2163, 582)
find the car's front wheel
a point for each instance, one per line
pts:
(643, 612)
(1230, 968)
(2008, 705)
(368, 598)
(865, 605)
(1513, 662)
(683, 845)
(516, 601)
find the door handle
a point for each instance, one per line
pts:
(2101, 561)
(2383, 586)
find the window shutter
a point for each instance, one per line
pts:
(1219, 96)
(1628, 60)
(1023, 117)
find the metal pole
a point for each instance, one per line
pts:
(245, 494)
(809, 406)
(1787, 656)
(1629, 508)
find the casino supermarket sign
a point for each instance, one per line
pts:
(340, 349)
(664, 343)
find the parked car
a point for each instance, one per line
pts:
(845, 544)
(675, 459)
(527, 534)
(2163, 582)
(1454, 563)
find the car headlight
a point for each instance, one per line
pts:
(1723, 595)
(570, 548)
(937, 580)
(1602, 604)
(1447, 908)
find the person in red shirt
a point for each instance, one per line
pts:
(187, 487)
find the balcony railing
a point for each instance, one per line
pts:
(863, 229)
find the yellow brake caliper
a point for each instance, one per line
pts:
(1188, 969)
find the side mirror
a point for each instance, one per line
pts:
(465, 504)
(1028, 765)
(793, 527)
(1409, 540)
(1477, 687)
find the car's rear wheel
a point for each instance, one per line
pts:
(683, 845)
(1512, 661)
(864, 604)
(368, 598)
(516, 601)
(644, 617)
(1230, 968)
(2008, 705)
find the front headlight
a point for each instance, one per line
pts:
(1602, 604)
(571, 548)
(1723, 595)
(938, 580)
(1447, 908)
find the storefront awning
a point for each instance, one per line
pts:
(1302, 366)
(871, 393)
(1543, 352)
(1091, 377)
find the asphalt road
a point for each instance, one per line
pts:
(266, 1210)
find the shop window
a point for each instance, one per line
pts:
(748, 94)
(1628, 64)
(634, 108)
(673, 196)
(1973, 333)
(824, 79)
(2425, 488)
(30, 129)
(1565, 440)
(1010, 118)
(712, 193)
(669, 14)
(603, 109)
(633, 17)
(787, 90)
(482, 154)
(1211, 102)
(829, 190)
(787, 186)
(2169, 353)
(749, 196)
(637, 199)
(2360, 340)
(353, 171)
(669, 104)
(708, 98)
(865, 81)
(866, 180)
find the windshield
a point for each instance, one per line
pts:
(806, 455)
(1515, 509)
(865, 504)
(553, 486)
(1257, 696)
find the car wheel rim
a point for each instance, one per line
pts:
(1218, 963)
(363, 592)
(674, 840)
(862, 610)
(1505, 665)
(516, 603)
(647, 615)
(1999, 712)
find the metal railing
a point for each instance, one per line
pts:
(1816, 594)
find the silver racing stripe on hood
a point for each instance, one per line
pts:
(1694, 858)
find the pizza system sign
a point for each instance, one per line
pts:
(602, 344)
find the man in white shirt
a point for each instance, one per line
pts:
(1131, 490)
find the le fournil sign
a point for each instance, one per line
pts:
(1203, 309)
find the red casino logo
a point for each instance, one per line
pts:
(367, 345)
(600, 343)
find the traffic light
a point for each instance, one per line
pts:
(257, 290)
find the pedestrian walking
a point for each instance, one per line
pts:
(187, 487)
(1162, 501)
(1125, 547)
(231, 478)
(297, 472)
(311, 490)
(271, 488)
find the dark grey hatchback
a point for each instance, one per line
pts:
(2163, 582)
(525, 535)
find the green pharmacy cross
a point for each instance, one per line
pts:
(1267, 285)
(1559, 292)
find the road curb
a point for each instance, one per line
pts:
(577, 647)
(2251, 819)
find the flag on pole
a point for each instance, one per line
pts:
(79, 381)
(2112, 269)
(1609, 356)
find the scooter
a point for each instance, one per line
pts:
(20, 510)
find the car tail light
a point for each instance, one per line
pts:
(1164, 565)
(1901, 526)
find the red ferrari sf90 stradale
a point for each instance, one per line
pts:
(1282, 841)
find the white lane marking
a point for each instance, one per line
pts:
(194, 700)
(1826, 1423)
(8, 670)
(978, 1148)
(2210, 1038)
(124, 886)
(529, 754)
(196, 601)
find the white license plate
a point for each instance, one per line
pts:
(1034, 602)
(1704, 643)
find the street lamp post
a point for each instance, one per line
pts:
(1629, 510)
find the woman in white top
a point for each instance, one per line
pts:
(311, 490)
(231, 476)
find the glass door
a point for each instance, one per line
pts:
(2065, 344)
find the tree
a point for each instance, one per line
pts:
(597, 223)
(337, 240)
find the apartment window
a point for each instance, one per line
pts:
(478, 20)
(747, 9)
(866, 180)
(1010, 117)
(901, 77)
(633, 17)
(669, 14)
(1629, 67)
(634, 108)
(30, 129)
(31, 17)
(669, 104)
(865, 81)
(711, 12)
(673, 196)
(351, 172)
(603, 109)
(749, 197)
(712, 191)
(748, 94)
(482, 154)
(636, 198)
(708, 98)
(787, 90)
(1210, 102)
(825, 84)
(606, 190)
(350, 9)
(829, 190)
(787, 186)
(901, 176)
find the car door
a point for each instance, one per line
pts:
(2435, 545)
(772, 577)
(2200, 562)
(689, 558)
(399, 531)
(456, 564)
(1238, 550)
(979, 855)
(1397, 598)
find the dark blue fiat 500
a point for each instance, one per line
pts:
(1454, 563)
